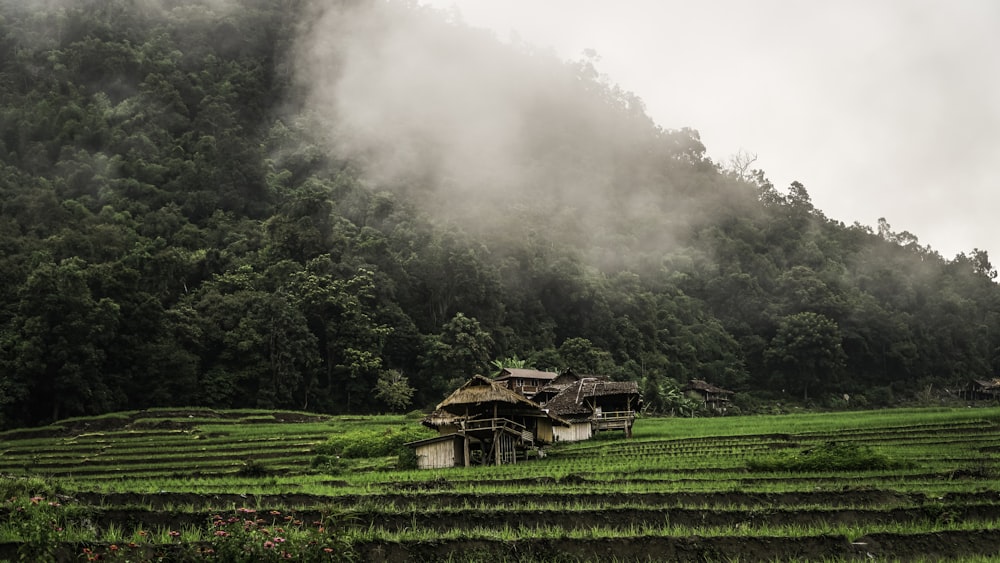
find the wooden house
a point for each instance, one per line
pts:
(525, 381)
(982, 390)
(715, 398)
(592, 404)
(492, 424)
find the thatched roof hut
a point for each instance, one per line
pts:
(479, 392)
(584, 397)
(705, 388)
(713, 396)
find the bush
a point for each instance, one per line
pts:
(329, 464)
(407, 458)
(831, 456)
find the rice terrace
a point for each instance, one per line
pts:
(229, 485)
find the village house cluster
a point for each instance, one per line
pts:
(496, 421)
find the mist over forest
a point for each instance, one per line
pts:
(352, 206)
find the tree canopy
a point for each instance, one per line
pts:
(181, 224)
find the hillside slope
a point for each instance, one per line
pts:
(330, 207)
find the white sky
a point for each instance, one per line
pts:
(882, 108)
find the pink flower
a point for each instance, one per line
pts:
(222, 533)
(279, 540)
(268, 544)
(175, 534)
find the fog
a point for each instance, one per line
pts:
(481, 133)
(882, 109)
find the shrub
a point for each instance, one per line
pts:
(407, 458)
(329, 464)
(830, 456)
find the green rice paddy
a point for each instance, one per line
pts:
(158, 483)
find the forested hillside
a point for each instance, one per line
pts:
(330, 205)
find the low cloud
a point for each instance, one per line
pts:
(468, 125)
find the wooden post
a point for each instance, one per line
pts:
(467, 452)
(497, 445)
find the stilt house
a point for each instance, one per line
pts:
(982, 389)
(483, 423)
(592, 404)
(715, 398)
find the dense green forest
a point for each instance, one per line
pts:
(199, 207)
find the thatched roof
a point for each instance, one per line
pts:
(571, 400)
(480, 391)
(705, 387)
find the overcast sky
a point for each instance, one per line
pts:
(882, 108)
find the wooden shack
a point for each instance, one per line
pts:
(446, 450)
(594, 404)
(494, 424)
(982, 390)
(715, 398)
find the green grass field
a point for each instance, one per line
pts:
(196, 484)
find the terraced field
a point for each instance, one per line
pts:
(239, 485)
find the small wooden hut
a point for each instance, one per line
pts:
(494, 424)
(593, 404)
(446, 450)
(715, 398)
(982, 390)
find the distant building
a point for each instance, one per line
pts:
(982, 390)
(715, 398)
